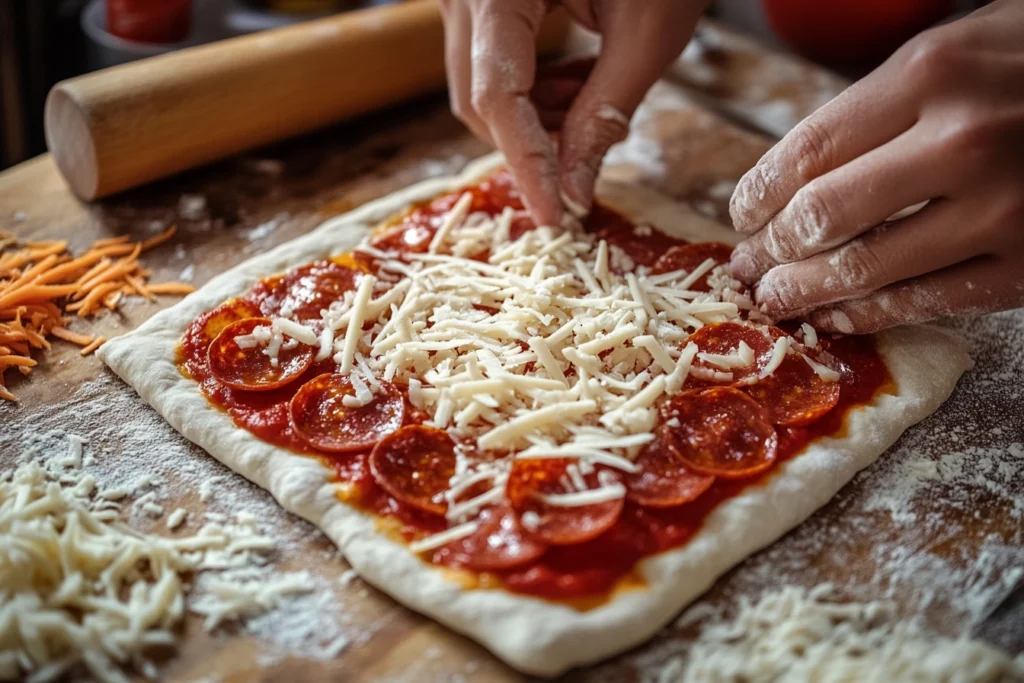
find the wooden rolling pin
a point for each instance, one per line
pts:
(131, 124)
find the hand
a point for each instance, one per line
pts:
(496, 90)
(942, 121)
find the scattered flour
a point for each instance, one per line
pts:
(262, 230)
(192, 207)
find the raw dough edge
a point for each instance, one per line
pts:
(532, 635)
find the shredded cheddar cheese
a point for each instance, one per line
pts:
(41, 283)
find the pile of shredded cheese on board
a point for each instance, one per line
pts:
(793, 635)
(79, 589)
(555, 345)
(41, 283)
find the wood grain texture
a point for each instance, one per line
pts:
(236, 208)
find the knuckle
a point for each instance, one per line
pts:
(482, 98)
(859, 268)
(814, 214)
(812, 148)
(489, 97)
(973, 134)
(933, 56)
(781, 243)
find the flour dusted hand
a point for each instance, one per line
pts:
(941, 122)
(497, 89)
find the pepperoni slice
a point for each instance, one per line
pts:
(689, 257)
(320, 417)
(499, 543)
(720, 431)
(304, 291)
(663, 480)
(251, 369)
(205, 328)
(724, 339)
(794, 394)
(552, 523)
(414, 465)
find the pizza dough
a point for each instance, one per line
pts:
(533, 635)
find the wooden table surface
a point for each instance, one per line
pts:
(942, 546)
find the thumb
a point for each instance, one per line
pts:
(632, 58)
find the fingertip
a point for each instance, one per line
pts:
(742, 265)
(745, 205)
(542, 203)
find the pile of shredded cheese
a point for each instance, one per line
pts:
(555, 345)
(40, 282)
(794, 635)
(78, 588)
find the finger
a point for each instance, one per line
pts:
(844, 203)
(866, 115)
(980, 286)
(458, 63)
(926, 242)
(634, 54)
(504, 67)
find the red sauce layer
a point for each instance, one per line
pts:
(582, 571)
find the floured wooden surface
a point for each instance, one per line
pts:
(937, 524)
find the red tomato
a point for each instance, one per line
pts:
(150, 21)
(852, 31)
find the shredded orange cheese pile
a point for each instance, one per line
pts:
(41, 283)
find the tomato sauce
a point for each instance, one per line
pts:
(583, 571)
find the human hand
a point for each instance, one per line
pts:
(496, 90)
(941, 121)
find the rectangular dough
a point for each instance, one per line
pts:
(533, 635)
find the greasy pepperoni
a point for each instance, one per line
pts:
(688, 257)
(411, 235)
(319, 416)
(663, 480)
(720, 431)
(306, 290)
(794, 394)
(498, 543)
(204, 329)
(414, 465)
(251, 369)
(558, 524)
(724, 339)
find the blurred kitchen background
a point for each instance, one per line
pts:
(44, 41)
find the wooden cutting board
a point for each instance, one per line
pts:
(940, 540)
